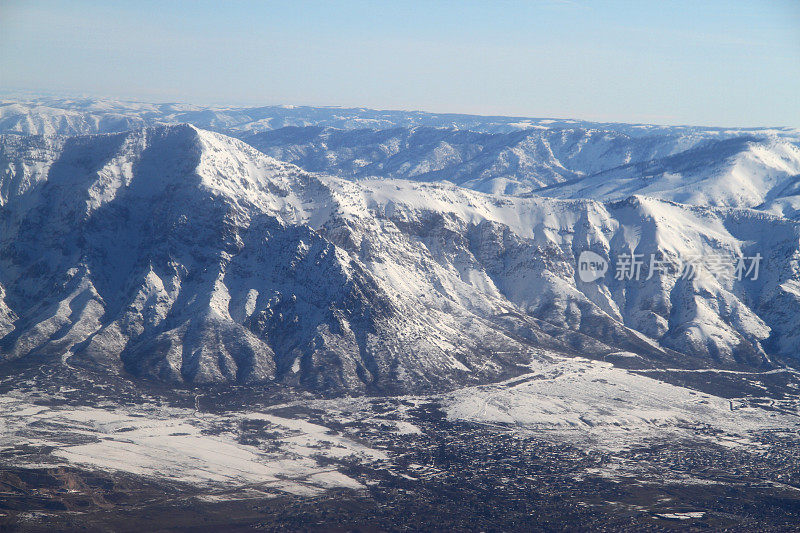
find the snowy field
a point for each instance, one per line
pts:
(597, 404)
(181, 445)
(588, 404)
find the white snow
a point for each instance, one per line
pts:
(173, 444)
(594, 403)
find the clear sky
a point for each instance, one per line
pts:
(726, 62)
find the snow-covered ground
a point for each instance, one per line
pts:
(586, 404)
(184, 446)
(592, 403)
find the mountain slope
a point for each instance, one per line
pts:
(742, 171)
(189, 256)
(185, 255)
(512, 163)
(749, 167)
(736, 169)
(39, 115)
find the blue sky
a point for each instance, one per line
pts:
(726, 63)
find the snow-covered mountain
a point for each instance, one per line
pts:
(42, 115)
(186, 255)
(743, 171)
(74, 116)
(735, 169)
(755, 167)
(507, 163)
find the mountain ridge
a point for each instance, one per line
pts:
(184, 255)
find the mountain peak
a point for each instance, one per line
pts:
(179, 253)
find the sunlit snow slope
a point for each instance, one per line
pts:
(185, 255)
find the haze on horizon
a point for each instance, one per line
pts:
(715, 63)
